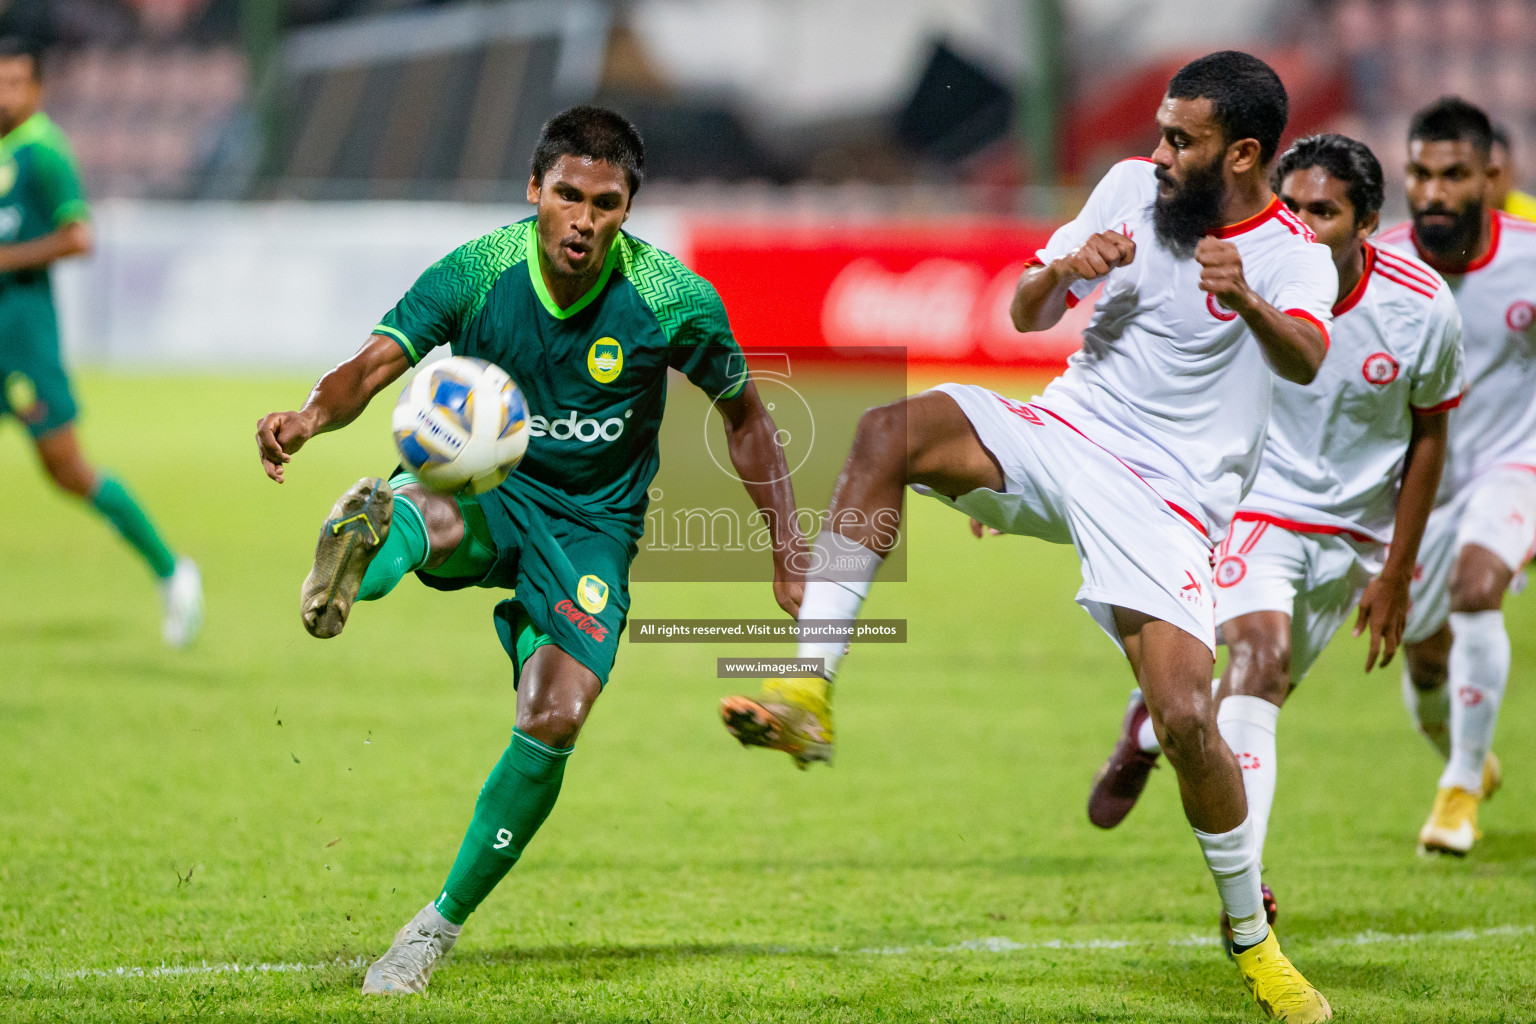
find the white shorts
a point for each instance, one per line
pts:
(1495, 510)
(1269, 565)
(1136, 551)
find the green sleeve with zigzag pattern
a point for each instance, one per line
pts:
(691, 315)
(451, 291)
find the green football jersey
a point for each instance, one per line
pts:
(40, 187)
(594, 374)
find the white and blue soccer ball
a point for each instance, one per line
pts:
(461, 424)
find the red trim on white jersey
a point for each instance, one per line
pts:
(1296, 526)
(1248, 224)
(1410, 268)
(1184, 513)
(1301, 314)
(1445, 406)
(1351, 300)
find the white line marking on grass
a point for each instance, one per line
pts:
(996, 944)
(991, 944)
(180, 970)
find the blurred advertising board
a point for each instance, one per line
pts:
(939, 293)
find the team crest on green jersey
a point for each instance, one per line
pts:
(592, 594)
(605, 360)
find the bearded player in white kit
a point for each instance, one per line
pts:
(1352, 462)
(1483, 528)
(1137, 455)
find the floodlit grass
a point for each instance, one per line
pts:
(266, 798)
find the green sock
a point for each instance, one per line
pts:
(117, 503)
(513, 803)
(405, 550)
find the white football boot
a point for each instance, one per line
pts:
(182, 595)
(407, 966)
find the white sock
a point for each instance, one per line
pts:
(1479, 671)
(1248, 726)
(1146, 736)
(1234, 862)
(837, 585)
(1431, 710)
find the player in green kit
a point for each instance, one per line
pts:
(588, 320)
(43, 218)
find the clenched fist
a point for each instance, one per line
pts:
(1221, 273)
(1096, 257)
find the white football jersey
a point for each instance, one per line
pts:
(1333, 461)
(1496, 422)
(1167, 380)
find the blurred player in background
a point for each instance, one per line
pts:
(1137, 455)
(1484, 526)
(1352, 462)
(539, 298)
(43, 218)
(1505, 193)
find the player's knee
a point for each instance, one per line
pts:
(1262, 669)
(1478, 592)
(555, 726)
(881, 437)
(71, 475)
(1188, 730)
(440, 513)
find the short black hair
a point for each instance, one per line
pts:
(16, 46)
(1246, 95)
(596, 133)
(1452, 119)
(1349, 160)
(1500, 135)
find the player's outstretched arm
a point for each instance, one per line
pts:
(338, 398)
(759, 461)
(1295, 347)
(1384, 605)
(1041, 297)
(73, 239)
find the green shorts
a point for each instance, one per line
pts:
(33, 385)
(570, 581)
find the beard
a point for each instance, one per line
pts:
(1454, 242)
(1181, 220)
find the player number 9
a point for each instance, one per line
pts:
(503, 839)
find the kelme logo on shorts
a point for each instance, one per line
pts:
(592, 594)
(605, 360)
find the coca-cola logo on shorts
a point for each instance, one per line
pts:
(1218, 311)
(1520, 315)
(1380, 368)
(1230, 571)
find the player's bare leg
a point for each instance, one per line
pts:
(554, 697)
(1476, 671)
(180, 583)
(1173, 669)
(358, 530)
(923, 439)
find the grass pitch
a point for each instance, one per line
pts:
(233, 831)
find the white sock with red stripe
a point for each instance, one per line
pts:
(1234, 862)
(1248, 726)
(1479, 671)
(835, 588)
(1431, 711)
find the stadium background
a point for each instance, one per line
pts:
(269, 176)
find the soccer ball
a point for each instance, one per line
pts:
(461, 424)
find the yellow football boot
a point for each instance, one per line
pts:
(1452, 824)
(1278, 987)
(1493, 775)
(792, 715)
